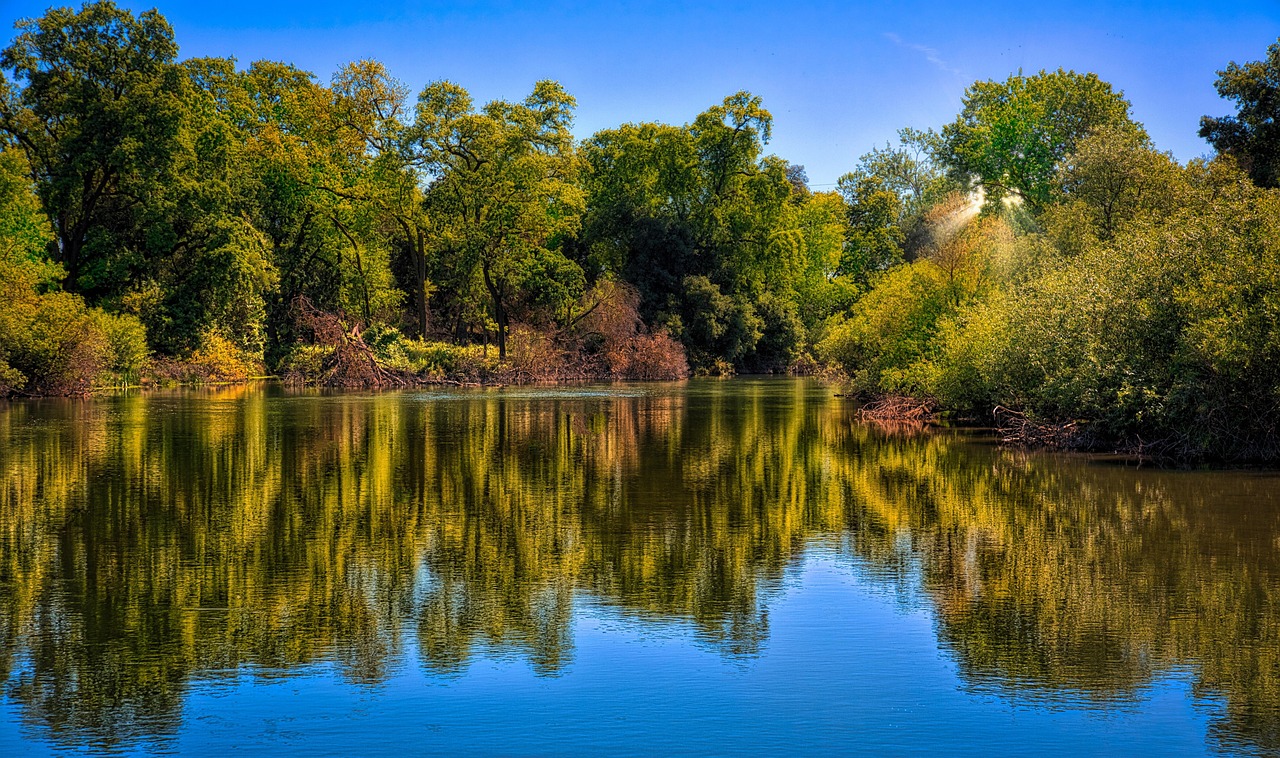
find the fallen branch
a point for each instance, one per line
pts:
(899, 409)
(350, 362)
(1016, 428)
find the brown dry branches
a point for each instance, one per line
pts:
(350, 362)
(898, 408)
(1015, 428)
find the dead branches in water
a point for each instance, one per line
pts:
(1016, 428)
(898, 415)
(899, 409)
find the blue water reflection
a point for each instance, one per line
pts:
(703, 568)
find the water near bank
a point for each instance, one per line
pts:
(705, 567)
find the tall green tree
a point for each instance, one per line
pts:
(717, 236)
(888, 194)
(1252, 136)
(1010, 136)
(504, 194)
(389, 180)
(94, 100)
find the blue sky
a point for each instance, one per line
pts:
(838, 77)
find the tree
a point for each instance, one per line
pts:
(94, 102)
(888, 194)
(504, 192)
(372, 104)
(1011, 135)
(718, 238)
(1114, 176)
(50, 342)
(1252, 136)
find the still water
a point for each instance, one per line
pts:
(705, 567)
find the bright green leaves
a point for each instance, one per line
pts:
(888, 195)
(1011, 135)
(24, 230)
(503, 198)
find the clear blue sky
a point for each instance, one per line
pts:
(838, 77)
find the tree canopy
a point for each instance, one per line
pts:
(1010, 136)
(1252, 136)
(209, 218)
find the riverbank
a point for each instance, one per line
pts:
(1025, 430)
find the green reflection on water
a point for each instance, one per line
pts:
(149, 540)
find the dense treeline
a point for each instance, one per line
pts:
(200, 203)
(199, 218)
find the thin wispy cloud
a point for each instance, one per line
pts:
(929, 53)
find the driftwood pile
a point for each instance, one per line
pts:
(898, 409)
(1016, 428)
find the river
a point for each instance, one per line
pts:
(709, 567)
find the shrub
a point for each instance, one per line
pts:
(303, 362)
(52, 344)
(890, 330)
(650, 357)
(11, 379)
(534, 355)
(466, 363)
(390, 347)
(218, 359)
(127, 343)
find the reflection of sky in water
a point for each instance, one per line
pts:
(844, 670)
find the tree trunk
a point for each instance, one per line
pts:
(419, 244)
(499, 312)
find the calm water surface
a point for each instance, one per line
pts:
(708, 567)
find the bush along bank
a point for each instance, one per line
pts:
(608, 343)
(1152, 327)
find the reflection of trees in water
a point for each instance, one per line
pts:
(1056, 580)
(148, 540)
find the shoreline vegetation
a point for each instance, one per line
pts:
(1037, 265)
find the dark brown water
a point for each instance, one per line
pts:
(709, 567)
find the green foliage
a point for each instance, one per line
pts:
(127, 347)
(504, 195)
(891, 329)
(1010, 136)
(781, 334)
(1252, 136)
(95, 104)
(52, 344)
(219, 288)
(888, 195)
(50, 341)
(725, 246)
(1114, 176)
(397, 352)
(24, 229)
(716, 325)
(303, 361)
(1160, 331)
(218, 359)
